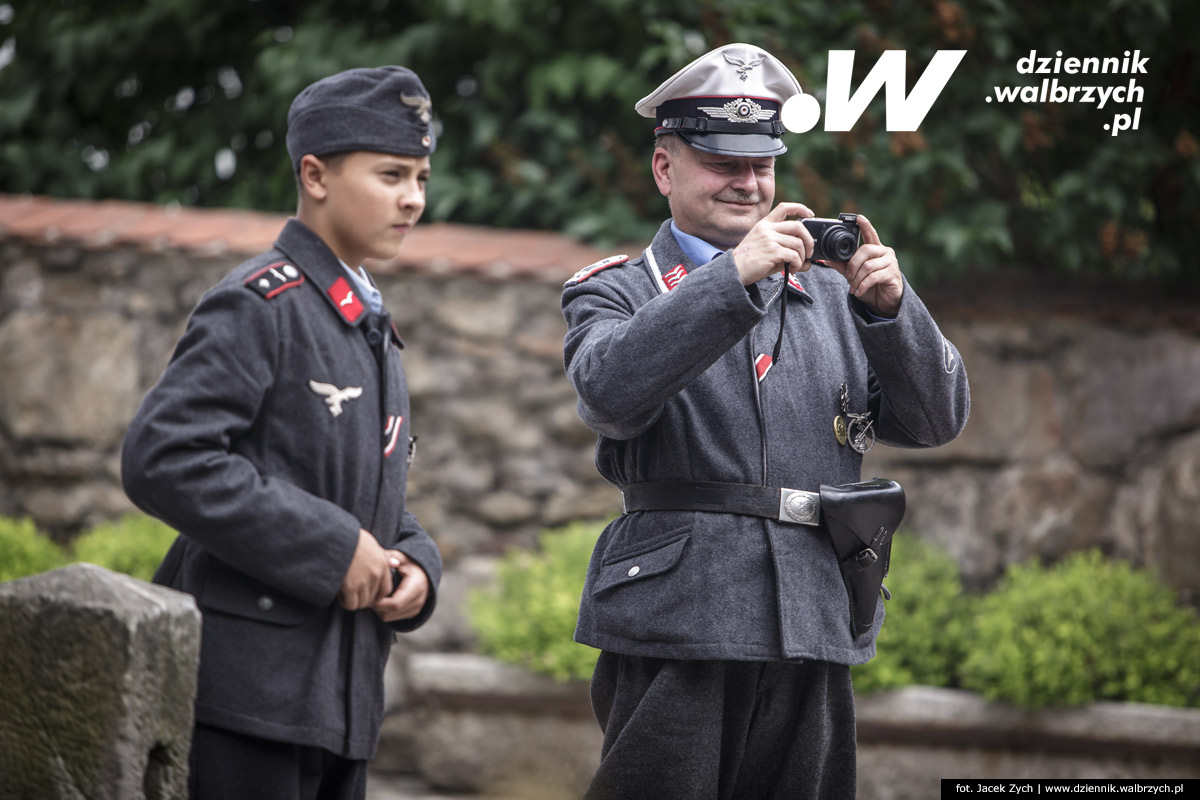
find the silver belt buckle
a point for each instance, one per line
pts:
(799, 507)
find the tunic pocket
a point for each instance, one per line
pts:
(640, 566)
(231, 592)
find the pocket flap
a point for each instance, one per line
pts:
(230, 592)
(644, 565)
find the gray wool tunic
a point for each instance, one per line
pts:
(665, 368)
(279, 428)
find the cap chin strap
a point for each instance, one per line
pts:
(701, 125)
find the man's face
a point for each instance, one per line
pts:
(717, 198)
(374, 200)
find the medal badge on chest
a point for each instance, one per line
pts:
(858, 430)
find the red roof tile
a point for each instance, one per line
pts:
(437, 248)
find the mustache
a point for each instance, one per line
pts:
(735, 196)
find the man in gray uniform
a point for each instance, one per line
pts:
(276, 442)
(726, 635)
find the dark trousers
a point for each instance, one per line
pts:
(231, 766)
(723, 730)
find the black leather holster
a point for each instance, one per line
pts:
(861, 519)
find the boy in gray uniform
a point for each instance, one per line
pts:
(726, 634)
(276, 442)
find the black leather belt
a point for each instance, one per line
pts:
(794, 506)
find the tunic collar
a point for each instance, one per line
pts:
(313, 257)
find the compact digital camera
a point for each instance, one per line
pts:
(836, 239)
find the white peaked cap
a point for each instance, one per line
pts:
(727, 101)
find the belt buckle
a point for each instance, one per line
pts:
(799, 507)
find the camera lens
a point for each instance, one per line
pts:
(839, 243)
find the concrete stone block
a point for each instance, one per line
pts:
(97, 685)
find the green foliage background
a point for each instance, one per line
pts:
(1085, 629)
(528, 616)
(24, 551)
(924, 637)
(1043, 636)
(134, 545)
(140, 99)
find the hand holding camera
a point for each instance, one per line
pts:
(871, 268)
(778, 241)
(791, 237)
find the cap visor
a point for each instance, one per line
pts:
(735, 144)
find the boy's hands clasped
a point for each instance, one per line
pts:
(368, 581)
(409, 598)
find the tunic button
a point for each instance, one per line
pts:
(634, 571)
(266, 603)
(374, 337)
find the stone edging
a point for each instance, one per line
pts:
(469, 682)
(912, 716)
(925, 715)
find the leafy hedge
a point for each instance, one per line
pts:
(1086, 629)
(24, 551)
(924, 638)
(535, 98)
(135, 545)
(528, 617)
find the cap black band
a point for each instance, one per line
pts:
(729, 114)
(705, 125)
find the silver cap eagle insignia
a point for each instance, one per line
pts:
(740, 110)
(743, 67)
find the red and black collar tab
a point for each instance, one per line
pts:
(300, 243)
(345, 299)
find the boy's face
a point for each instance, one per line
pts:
(372, 201)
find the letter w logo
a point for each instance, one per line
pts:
(800, 113)
(903, 113)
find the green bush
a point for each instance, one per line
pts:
(924, 638)
(1087, 629)
(24, 551)
(135, 545)
(528, 617)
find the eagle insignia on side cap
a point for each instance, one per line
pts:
(422, 105)
(740, 110)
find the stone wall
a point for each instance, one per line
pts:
(1084, 431)
(1085, 426)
